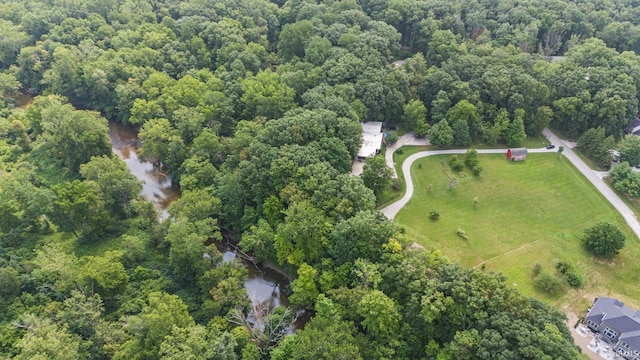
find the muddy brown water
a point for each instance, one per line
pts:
(156, 183)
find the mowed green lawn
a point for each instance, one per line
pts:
(528, 212)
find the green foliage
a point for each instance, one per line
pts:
(118, 187)
(9, 282)
(441, 134)
(78, 207)
(263, 147)
(46, 340)
(625, 180)
(594, 144)
(456, 164)
(604, 239)
(515, 132)
(162, 142)
(629, 148)
(74, 136)
(391, 138)
(265, 95)
(460, 130)
(304, 287)
(322, 338)
(547, 283)
(463, 234)
(303, 235)
(380, 316)
(537, 269)
(376, 175)
(197, 342)
(361, 236)
(434, 215)
(570, 274)
(160, 316)
(414, 116)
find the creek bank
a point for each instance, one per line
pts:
(265, 283)
(156, 183)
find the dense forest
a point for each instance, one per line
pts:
(254, 108)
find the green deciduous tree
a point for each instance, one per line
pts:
(74, 135)
(441, 133)
(381, 318)
(460, 130)
(376, 175)
(594, 144)
(9, 282)
(604, 239)
(265, 95)
(361, 236)
(197, 342)
(629, 149)
(45, 340)
(515, 132)
(118, 186)
(305, 290)
(415, 113)
(293, 39)
(323, 339)
(162, 142)
(78, 207)
(464, 110)
(303, 235)
(159, 317)
(105, 274)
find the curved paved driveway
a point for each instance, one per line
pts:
(594, 177)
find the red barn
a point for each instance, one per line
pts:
(519, 154)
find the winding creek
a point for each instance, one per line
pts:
(156, 185)
(262, 284)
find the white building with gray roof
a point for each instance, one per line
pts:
(618, 323)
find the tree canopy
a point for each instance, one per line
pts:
(255, 108)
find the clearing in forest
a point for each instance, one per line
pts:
(525, 213)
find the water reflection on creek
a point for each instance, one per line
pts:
(157, 186)
(267, 285)
(262, 284)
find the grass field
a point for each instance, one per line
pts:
(528, 212)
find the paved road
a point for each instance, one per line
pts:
(595, 177)
(406, 139)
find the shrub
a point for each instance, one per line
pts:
(396, 184)
(400, 151)
(434, 215)
(548, 283)
(562, 267)
(463, 234)
(476, 170)
(392, 137)
(471, 158)
(573, 279)
(537, 269)
(455, 163)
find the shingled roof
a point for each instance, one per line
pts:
(615, 314)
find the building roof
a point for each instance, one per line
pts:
(632, 338)
(633, 127)
(371, 139)
(616, 315)
(518, 151)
